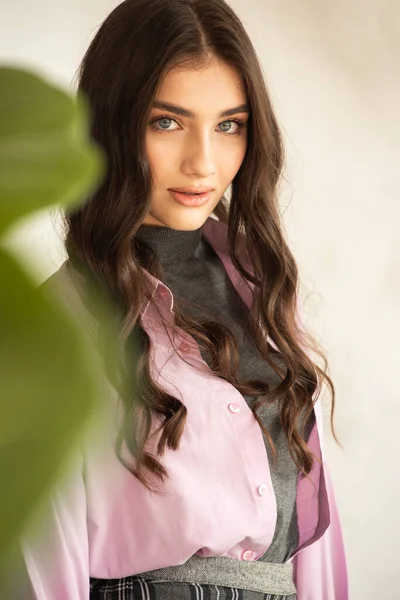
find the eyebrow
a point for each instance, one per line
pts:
(178, 110)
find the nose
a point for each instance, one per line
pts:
(198, 156)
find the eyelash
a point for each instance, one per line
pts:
(241, 125)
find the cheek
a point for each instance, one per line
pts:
(230, 161)
(161, 162)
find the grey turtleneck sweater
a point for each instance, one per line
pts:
(195, 274)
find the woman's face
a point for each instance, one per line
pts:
(201, 149)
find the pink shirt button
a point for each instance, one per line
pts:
(262, 489)
(162, 293)
(184, 347)
(233, 407)
(248, 555)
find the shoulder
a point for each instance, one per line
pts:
(65, 278)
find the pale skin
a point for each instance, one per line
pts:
(205, 149)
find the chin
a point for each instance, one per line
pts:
(188, 219)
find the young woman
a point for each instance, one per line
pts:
(205, 479)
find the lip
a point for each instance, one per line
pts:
(190, 200)
(192, 189)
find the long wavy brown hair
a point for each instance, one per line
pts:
(134, 48)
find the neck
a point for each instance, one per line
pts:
(171, 245)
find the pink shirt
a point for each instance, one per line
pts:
(218, 500)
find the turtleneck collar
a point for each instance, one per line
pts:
(171, 245)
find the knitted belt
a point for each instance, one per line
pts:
(256, 576)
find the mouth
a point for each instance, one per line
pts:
(190, 198)
(192, 190)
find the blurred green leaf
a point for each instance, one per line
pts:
(46, 156)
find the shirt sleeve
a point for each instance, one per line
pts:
(319, 570)
(55, 559)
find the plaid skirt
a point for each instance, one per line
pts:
(137, 588)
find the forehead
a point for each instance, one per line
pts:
(204, 90)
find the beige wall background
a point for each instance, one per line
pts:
(334, 75)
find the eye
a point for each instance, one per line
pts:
(239, 126)
(162, 123)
